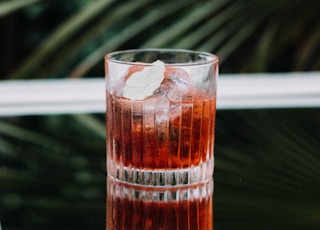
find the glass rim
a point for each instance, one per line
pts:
(210, 58)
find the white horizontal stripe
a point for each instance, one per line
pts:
(285, 90)
(236, 91)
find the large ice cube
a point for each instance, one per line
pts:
(142, 84)
(157, 81)
(182, 87)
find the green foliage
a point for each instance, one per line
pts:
(52, 171)
(52, 168)
(267, 168)
(8, 7)
(70, 38)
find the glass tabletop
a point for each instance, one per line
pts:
(52, 171)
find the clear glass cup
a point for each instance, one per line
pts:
(139, 207)
(160, 116)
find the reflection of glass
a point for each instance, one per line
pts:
(138, 207)
(160, 116)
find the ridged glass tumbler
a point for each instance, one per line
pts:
(160, 116)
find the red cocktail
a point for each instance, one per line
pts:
(137, 207)
(166, 136)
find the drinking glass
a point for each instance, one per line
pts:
(160, 116)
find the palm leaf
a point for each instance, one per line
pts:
(181, 26)
(9, 7)
(125, 35)
(267, 168)
(59, 37)
(227, 28)
(37, 172)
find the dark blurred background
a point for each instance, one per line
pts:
(52, 167)
(58, 39)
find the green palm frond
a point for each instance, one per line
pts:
(267, 168)
(46, 164)
(60, 35)
(263, 32)
(9, 7)
(185, 23)
(266, 174)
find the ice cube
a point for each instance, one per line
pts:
(182, 87)
(176, 86)
(166, 85)
(142, 84)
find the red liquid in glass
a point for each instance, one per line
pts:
(140, 208)
(148, 135)
(171, 130)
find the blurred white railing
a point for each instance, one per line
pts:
(238, 91)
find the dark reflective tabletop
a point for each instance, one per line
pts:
(267, 170)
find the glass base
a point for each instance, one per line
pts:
(177, 177)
